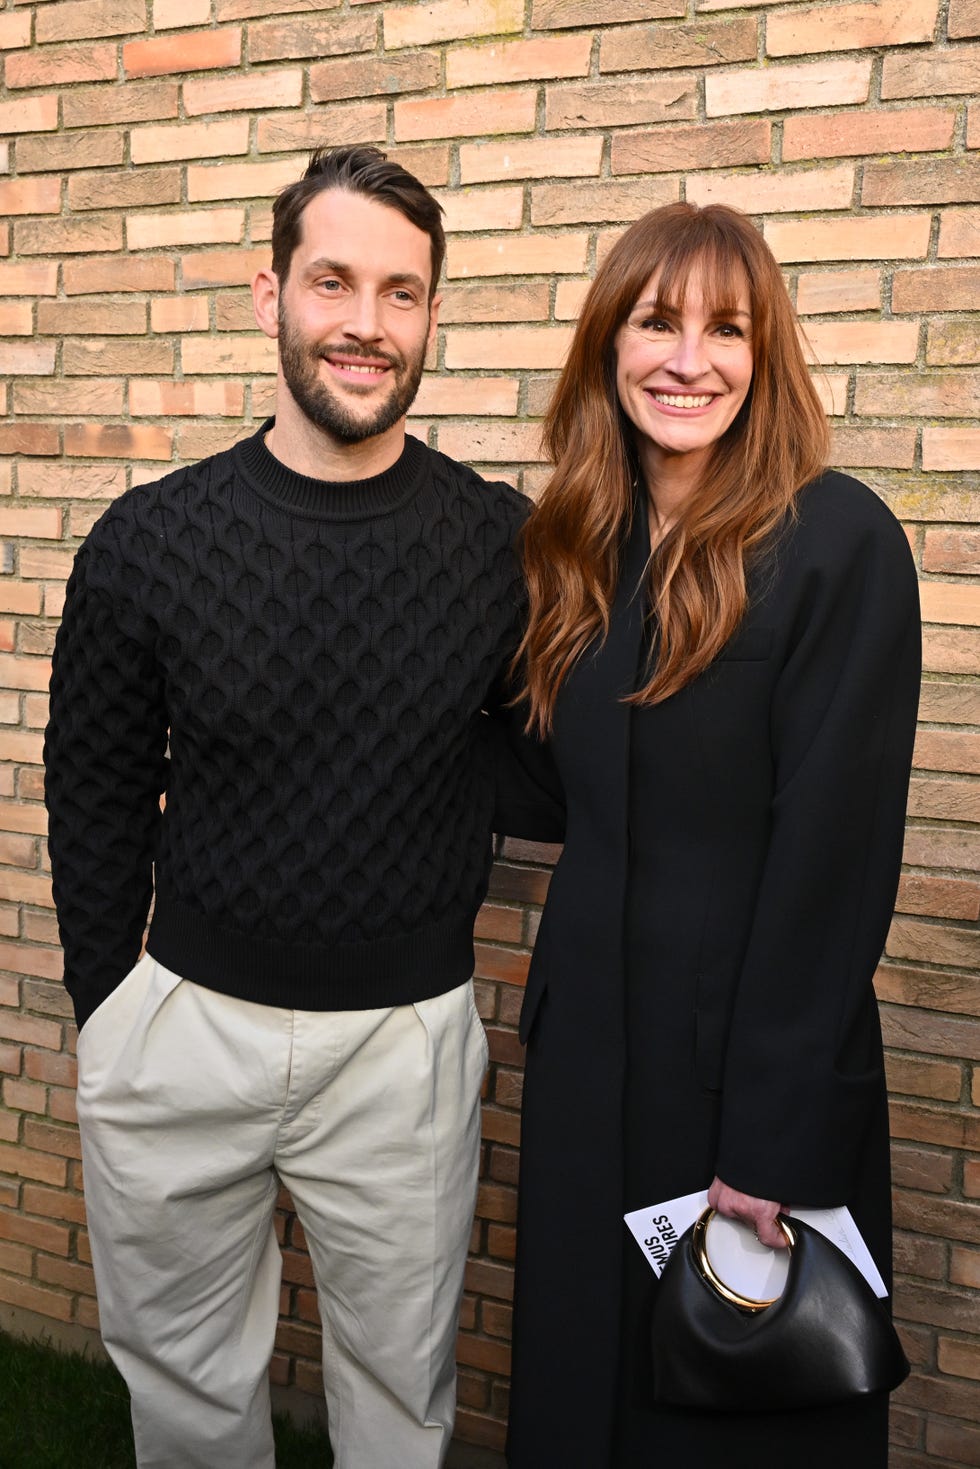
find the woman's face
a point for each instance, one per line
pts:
(682, 375)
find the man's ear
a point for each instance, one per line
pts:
(265, 302)
(434, 305)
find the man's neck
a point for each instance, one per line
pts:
(307, 449)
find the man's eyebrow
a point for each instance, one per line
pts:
(339, 267)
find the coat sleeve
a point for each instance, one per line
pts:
(105, 770)
(529, 800)
(804, 1061)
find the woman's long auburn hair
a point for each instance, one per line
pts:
(777, 443)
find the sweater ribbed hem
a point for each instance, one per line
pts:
(373, 975)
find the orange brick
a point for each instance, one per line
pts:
(667, 149)
(494, 443)
(277, 40)
(942, 288)
(530, 158)
(29, 115)
(48, 1303)
(781, 88)
(886, 237)
(69, 152)
(649, 48)
(955, 602)
(929, 395)
(173, 14)
(556, 14)
(118, 441)
(519, 61)
(159, 399)
(950, 448)
(86, 20)
(189, 140)
(40, 524)
(59, 397)
(54, 1239)
(963, 19)
(191, 227)
(222, 268)
(55, 66)
(941, 73)
(849, 27)
(959, 232)
(239, 180)
(466, 116)
(102, 189)
(100, 316)
(140, 273)
(367, 76)
(179, 314)
(29, 438)
(951, 750)
(15, 31)
(228, 355)
(838, 290)
(921, 181)
(863, 341)
(16, 319)
(242, 93)
(24, 598)
(938, 897)
(952, 550)
(199, 51)
(859, 448)
(67, 1273)
(603, 199)
(468, 210)
(121, 103)
(27, 673)
(24, 1096)
(940, 800)
(450, 20)
(617, 103)
(518, 301)
(467, 396)
(28, 278)
(26, 1163)
(93, 356)
(507, 347)
(27, 357)
(518, 255)
(358, 122)
(950, 650)
(775, 192)
(964, 1267)
(841, 134)
(19, 745)
(70, 236)
(569, 299)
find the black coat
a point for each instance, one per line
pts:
(700, 999)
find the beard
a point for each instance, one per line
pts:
(327, 408)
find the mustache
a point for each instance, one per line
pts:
(361, 349)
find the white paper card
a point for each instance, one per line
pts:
(735, 1253)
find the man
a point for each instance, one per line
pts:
(294, 641)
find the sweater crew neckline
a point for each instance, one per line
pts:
(323, 499)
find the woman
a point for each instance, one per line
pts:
(723, 648)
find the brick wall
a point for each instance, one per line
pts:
(141, 142)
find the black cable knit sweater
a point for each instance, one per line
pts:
(315, 658)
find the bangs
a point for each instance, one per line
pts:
(720, 267)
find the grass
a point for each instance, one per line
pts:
(64, 1410)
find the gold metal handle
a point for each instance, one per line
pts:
(699, 1244)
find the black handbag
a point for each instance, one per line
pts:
(827, 1339)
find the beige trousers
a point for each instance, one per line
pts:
(192, 1107)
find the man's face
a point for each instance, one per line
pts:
(354, 317)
